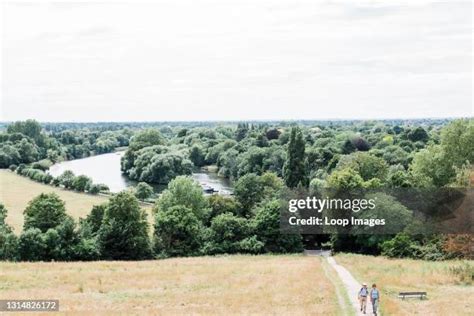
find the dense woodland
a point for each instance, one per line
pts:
(261, 159)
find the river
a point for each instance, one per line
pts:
(105, 169)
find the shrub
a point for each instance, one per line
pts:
(464, 272)
(20, 168)
(400, 246)
(42, 165)
(103, 187)
(251, 245)
(56, 182)
(94, 189)
(45, 178)
(87, 249)
(459, 245)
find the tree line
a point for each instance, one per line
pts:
(264, 158)
(186, 223)
(27, 142)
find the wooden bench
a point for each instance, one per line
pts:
(421, 295)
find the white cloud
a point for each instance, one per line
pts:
(229, 59)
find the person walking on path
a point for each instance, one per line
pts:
(363, 293)
(375, 298)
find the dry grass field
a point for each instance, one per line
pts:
(17, 191)
(264, 285)
(447, 294)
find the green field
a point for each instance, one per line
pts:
(17, 191)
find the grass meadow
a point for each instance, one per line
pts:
(282, 285)
(16, 191)
(449, 292)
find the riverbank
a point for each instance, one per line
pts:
(106, 169)
(16, 192)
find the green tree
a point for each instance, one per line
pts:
(186, 192)
(95, 217)
(94, 189)
(44, 212)
(68, 240)
(266, 225)
(31, 245)
(28, 151)
(178, 231)
(197, 156)
(9, 155)
(145, 138)
(8, 245)
(165, 167)
(248, 191)
(294, 170)
(222, 204)
(272, 133)
(8, 240)
(396, 215)
(436, 165)
(401, 246)
(67, 179)
(30, 128)
(241, 132)
(366, 165)
(418, 134)
(345, 180)
(457, 140)
(399, 178)
(431, 168)
(3, 215)
(123, 234)
(395, 155)
(272, 185)
(143, 191)
(81, 183)
(348, 147)
(227, 232)
(360, 143)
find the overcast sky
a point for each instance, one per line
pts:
(236, 59)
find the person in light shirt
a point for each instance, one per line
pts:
(363, 293)
(375, 298)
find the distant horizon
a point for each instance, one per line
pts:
(251, 120)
